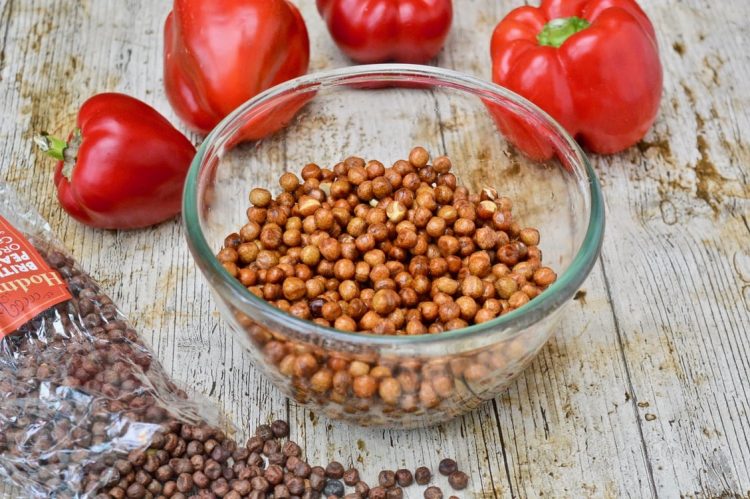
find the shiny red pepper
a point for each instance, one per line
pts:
(370, 31)
(591, 64)
(128, 169)
(220, 53)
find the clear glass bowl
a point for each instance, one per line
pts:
(381, 112)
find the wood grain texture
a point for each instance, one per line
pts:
(643, 392)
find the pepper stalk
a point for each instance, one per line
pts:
(51, 145)
(558, 30)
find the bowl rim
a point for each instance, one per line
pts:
(516, 321)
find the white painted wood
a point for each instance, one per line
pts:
(644, 390)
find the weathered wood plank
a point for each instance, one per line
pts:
(680, 216)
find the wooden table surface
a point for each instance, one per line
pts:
(643, 392)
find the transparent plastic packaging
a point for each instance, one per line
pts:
(79, 391)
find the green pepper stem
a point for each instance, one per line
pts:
(51, 145)
(558, 30)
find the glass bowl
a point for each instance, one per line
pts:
(494, 138)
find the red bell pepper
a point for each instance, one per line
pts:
(129, 166)
(220, 53)
(591, 64)
(370, 31)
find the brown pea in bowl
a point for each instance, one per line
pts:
(380, 112)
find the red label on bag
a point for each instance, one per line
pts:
(28, 285)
